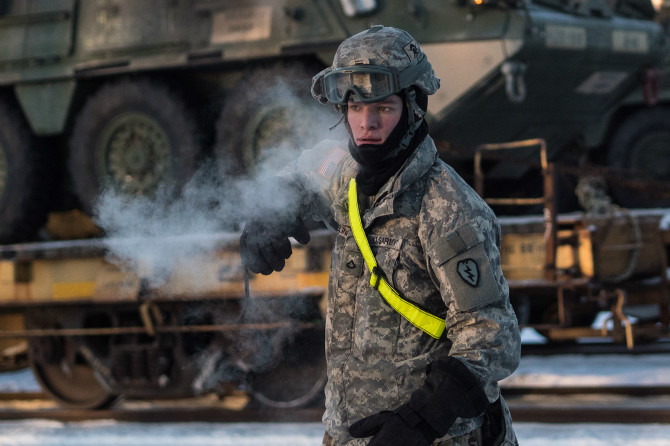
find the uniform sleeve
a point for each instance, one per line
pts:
(464, 260)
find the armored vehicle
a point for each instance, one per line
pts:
(133, 95)
(137, 96)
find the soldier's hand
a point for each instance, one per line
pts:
(265, 245)
(402, 427)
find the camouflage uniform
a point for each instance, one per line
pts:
(438, 244)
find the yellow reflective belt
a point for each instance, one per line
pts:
(421, 319)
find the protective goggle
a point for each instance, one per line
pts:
(366, 83)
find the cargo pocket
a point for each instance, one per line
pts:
(460, 259)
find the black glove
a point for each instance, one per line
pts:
(449, 391)
(402, 427)
(273, 216)
(264, 245)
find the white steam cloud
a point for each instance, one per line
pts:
(153, 235)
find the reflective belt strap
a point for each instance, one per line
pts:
(421, 319)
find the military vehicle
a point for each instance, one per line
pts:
(134, 94)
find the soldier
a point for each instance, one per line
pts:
(419, 327)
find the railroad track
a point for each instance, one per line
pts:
(618, 415)
(576, 404)
(167, 415)
(594, 348)
(623, 404)
(631, 391)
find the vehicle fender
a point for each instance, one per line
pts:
(596, 133)
(46, 104)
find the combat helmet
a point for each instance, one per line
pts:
(374, 64)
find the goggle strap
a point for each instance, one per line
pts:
(415, 111)
(318, 86)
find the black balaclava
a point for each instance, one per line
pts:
(375, 169)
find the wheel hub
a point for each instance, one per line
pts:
(278, 126)
(136, 159)
(136, 153)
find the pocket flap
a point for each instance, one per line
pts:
(455, 242)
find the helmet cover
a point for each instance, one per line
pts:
(380, 48)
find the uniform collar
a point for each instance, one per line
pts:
(383, 203)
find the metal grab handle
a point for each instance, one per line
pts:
(515, 85)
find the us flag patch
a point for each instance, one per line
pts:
(330, 163)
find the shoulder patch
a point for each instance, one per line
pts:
(468, 270)
(331, 162)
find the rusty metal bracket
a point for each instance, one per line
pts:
(548, 198)
(150, 312)
(619, 316)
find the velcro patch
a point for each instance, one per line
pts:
(412, 50)
(455, 243)
(460, 259)
(352, 263)
(331, 162)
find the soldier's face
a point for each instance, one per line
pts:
(372, 123)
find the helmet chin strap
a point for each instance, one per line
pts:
(415, 116)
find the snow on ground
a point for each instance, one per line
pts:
(567, 370)
(19, 381)
(111, 433)
(588, 370)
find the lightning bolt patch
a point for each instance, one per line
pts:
(469, 272)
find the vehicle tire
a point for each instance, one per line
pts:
(297, 381)
(25, 180)
(269, 117)
(61, 369)
(642, 143)
(134, 137)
